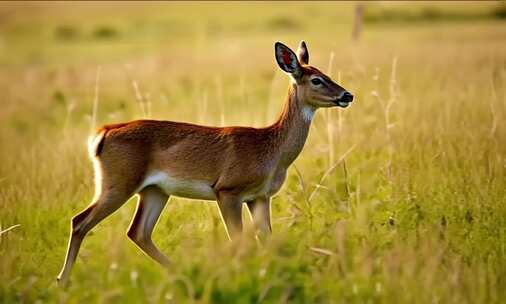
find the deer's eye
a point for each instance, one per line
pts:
(316, 81)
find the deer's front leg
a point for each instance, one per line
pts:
(230, 205)
(260, 209)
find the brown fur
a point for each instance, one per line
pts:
(239, 164)
(227, 158)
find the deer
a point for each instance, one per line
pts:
(233, 165)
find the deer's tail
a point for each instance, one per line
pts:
(96, 142)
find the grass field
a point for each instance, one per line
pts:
(415, 212)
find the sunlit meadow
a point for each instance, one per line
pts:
(399, 198)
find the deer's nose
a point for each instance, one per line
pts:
(347, 97)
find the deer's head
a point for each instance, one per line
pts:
(313, 87)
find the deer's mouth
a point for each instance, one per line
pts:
(342, 104)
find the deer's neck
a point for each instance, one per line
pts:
(292, 127)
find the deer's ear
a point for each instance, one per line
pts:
(302, 53)
(287, 60)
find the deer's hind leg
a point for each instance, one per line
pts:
(82, 223)
(113, 189)
(151, 202)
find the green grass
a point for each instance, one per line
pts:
(416, 214)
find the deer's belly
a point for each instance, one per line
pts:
(187, 188)
(198, 189)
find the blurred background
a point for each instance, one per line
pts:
(415, 212)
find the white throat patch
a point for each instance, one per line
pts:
(307, 113)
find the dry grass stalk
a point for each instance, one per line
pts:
(95, 101)
(10, 228)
